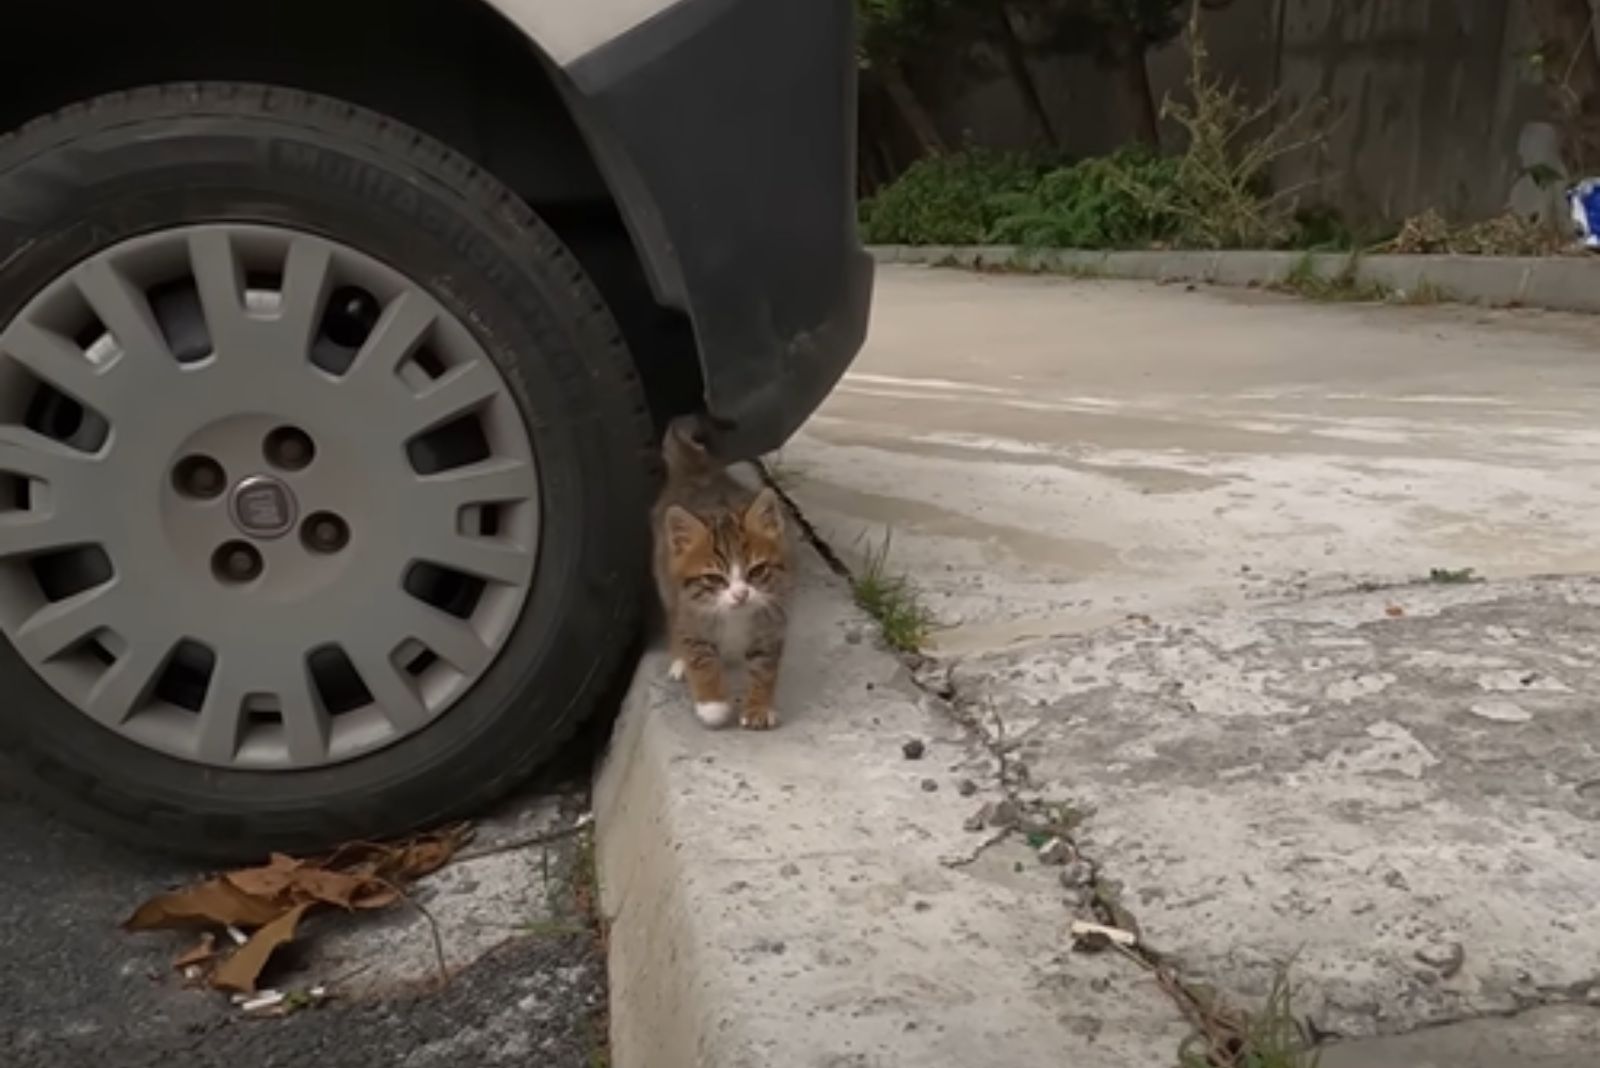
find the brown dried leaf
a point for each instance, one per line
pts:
(216, 902)
(268, 883)
(240, 972)
(201, 952)
(1394, 611)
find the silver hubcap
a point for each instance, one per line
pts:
(264, 502)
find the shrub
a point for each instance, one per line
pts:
(1094, 204)
(946, 200)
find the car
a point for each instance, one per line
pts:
(336, 343)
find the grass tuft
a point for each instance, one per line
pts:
(893, 601)
(1270, 1038)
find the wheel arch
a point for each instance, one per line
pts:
(478, 76)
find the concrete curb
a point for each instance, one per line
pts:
(787, 899)
(1557, 283)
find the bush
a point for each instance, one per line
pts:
(1095, 204)
(946, 200)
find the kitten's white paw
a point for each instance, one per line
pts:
(677, 670)
(714, 714)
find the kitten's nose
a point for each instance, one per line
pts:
(739, 594)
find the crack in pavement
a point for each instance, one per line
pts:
(1215, 1017)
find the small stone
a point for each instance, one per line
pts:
(1448, 958)
(1055, 851)
(853, 636)
(1077, 874)
(966, 787)
(975, 822)
(1002, 814)
(929, 785)
(790, 870)
(914, 749)
(922, 906)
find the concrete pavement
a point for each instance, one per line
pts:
(1050, 455)
(1182, 540)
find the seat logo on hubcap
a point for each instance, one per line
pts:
(263, 507)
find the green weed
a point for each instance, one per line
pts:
(1447, 576)
(893, 601)
(1232, 1038)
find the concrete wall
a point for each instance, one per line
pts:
(1429, 101)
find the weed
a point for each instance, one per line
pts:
(1447, 576)
(1304, 280)
(1234, 1038)
(893, 601)
(1220, 194)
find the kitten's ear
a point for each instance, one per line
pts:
(765, 514)
(682, 528)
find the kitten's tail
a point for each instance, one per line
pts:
(686, 449)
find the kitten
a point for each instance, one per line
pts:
(722, 568)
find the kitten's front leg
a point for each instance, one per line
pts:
(762, 661)
(702, 664)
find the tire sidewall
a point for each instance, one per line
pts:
(512, 284)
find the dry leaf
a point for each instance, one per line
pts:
(203, 951)
(240, 971)
(214, 903)
(270, 882)
(1394, 611)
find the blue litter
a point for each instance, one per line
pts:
(1585, 201)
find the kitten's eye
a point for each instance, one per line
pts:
(760, 572)
(712, 580)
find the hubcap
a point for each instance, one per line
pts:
(264, 501)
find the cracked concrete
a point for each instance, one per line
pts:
(1311, 783)
(1175, 536)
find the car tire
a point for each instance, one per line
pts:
(135, 166)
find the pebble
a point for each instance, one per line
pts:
(929, 785)
(975, 822)
(914, 749)
(1077, 874)
(790, 870)
(966, 787)
(1055, 851)
(1002, 813)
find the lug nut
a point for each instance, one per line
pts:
(236, 562)
(289, 448)
(199, 476)
(325, 532)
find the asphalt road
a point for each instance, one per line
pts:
(76, 990)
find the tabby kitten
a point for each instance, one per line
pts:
(722, 568)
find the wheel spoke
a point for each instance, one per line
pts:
(395, 697)
(450, 639)
(126, 683)
(58, 626)
(218, 278)
(399, 330)
(459, 392)
(306, 724)
(123, 309)
(494, 481)
(221, 717)
(306, 277)
(59, 362)
(27, 452)
(486, 558)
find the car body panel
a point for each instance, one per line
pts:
(566, 31)
(726, 131)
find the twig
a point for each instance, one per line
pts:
(433, 929)
(526, 841)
